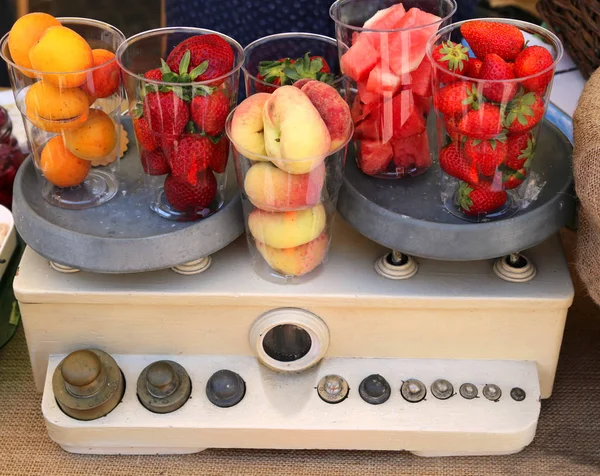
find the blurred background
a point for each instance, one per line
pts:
(244, 20)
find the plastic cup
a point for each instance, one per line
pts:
(180, 121)
(293, 46)
(72, 119)
(388, 85)
(289, 207)
(486, 141)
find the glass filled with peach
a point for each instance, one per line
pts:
(67, 86)
(289, 150)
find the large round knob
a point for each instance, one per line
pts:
(225, 388)
(374, 389)
(81, 368)
(164, 386)
(160, 374)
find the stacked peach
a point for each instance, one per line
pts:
(290, 149)
(67, 77)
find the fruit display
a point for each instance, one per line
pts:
(490, 94)
(289, 150)
(382, 53)
(67, 86)
(179, 104)
(11, 158)
(291, 59)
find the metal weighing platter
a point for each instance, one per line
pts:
(408, 215)
(123, 235)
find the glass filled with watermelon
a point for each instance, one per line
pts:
(381, 45)
(181, 84)
(491, 85)
(290, 58)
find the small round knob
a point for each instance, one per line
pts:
(374, 389)
(492, 392)
(413, 390)
(225, 388)
(81, 368)
(518, 394)
(442, 389)
(333, 389)
(160, 374)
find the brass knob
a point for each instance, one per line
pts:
(88, 384)
(162, 380)
(164, 386)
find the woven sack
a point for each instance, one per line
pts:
(586, 168)
(577, 24)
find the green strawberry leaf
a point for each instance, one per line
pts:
(137, 111)
(316, 65)
(214, 139)
(190, 127)
(184, 64)
(199, 70)
(164, 67)
(204, 90)
(326, 78)
(476, 142)
(493, 144)
(292, 73)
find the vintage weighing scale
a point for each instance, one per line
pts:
(443, 346)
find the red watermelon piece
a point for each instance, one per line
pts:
(421, 79)
(382, 79)
(359, 60)
(386, 19)
(374, 157)
(412, 151)
(366, 96)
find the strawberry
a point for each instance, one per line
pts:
(487, 155)
(145, 136)
(209, 112)
(520, 149)
(474, 68)
(192, 156)
(451, 124)
(211, 48)
(485, 37)
(189, 197)
(457, 165)
(513, 178)
(457, 98)
(495, 68)
(482, 123)
(286, 71)
(453, 57)
(534, 60)
(218, 159)
(154, 74)
(154, 163)
(479, 199)
(374, 157)
(168, 144)
(166, 113)
(524, 112)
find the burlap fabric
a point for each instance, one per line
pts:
(567, 441)
(586, 166)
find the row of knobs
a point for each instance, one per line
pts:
(376, 390)
(88, 384)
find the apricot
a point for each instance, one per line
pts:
(95, 138)
(61, 50)
(53, 109)
(272, 189)
(295, 261)
(25, 33)
(60, 166)
(103, 82)
(287, 229)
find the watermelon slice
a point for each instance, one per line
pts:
(395, 118)
(422, 104)
(382, 80)
(359, 60)
(421, 79)
(412, 151)
(374, 157)
(386, 19)
(408, 47)
(366, 96)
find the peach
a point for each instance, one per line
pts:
(333, 109)
(95, 138)
(103, 82)
(60, 166)
(272, 189)
(287, 229)
(247, 127)
(61, 50)
(295, 261)
(296, 136)
(25, 33)
(53, 109)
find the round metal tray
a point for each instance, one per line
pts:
(123, 235)
(407, 215)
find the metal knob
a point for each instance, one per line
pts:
(375, 389)
(492, 392)
(518, 394)
(413, 390)
(468, 391)
(164, 386)
(333, 389)
(442, 389)
(225, 388)
(88, 384)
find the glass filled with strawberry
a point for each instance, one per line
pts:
(382, 47)
(492, 86)
(181, 84)
(289, 149)
(286, 58)
(67, 87)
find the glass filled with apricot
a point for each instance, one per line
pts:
(67, 86)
